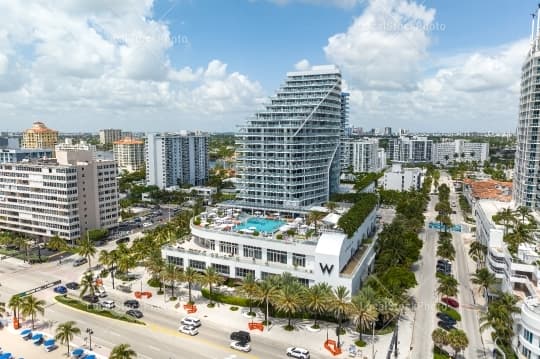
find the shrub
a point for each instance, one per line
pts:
(197, 221)
(233, 308)
(360, 343)
(356, 215)
(452, 313)
(256, 233)
(77, 304)
(227, 299)
(172, 299)
(160, 292)
(315, 326)
(154, 282)
(288, 328)
(211, 305)
(279, 236)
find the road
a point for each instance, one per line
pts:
(425, 293)
(158, 339)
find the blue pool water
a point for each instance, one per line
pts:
(261, 224)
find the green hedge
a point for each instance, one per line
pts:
(227, 299)
(356, 215)
(77, 304)
(452, 313)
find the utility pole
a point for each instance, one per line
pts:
(89, 332)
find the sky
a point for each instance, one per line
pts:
(170, 65)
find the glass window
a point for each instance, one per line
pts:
(228, 247)
(276, 256)
(175, 260)
(299, 260)
(243, 272)
(527, 335)
(252, 252)
(197, 264)
(220, 268)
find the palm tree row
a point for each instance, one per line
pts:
(518, 227)
(26, 306)
(456, 339)
(500, 317)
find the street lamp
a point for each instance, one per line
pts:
(89, 332)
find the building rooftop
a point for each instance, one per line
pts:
(492, 207)
(39, 127)
(490, 189)
(129, 141)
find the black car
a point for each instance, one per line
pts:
(445, 325)
(122, 240)
(90, 298)
(446, 318)
(241, 336)
(135, 313)
(72, 285)
(131, 303)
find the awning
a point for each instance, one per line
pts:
(77, 352)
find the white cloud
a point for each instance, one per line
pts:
(346, 4)
(302, 65)
(89, 62)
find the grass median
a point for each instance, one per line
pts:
(80, 305)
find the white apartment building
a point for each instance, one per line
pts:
(109, 135)
(237, 244)
(381, 159)
(288, 155)
(360, 155)
(460, 151)
(410, 149)
(129, 154)
(403, 179)
(173, 159)
(66, 196)
(69, 145)
(13, 155)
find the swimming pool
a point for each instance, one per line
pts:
(260, 225)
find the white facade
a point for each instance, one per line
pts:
(68, 145)
(410, 149)
(460, 151)
(360, 155)
(332, 257)
(13, 155)
(403, 179)
(109, 135)
(381, 159)
(288, 155)
(64, 197)
(173, 159)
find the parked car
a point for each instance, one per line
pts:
(109, 304)
(193, 321)
(131, 303)
(450, 301)
(445, 325)
(72, 285)
(147, 224)
(446, 318)
(298, 353)
(188, 329)
(60, 289)
(90, 298)
(101, 292)
(122, 240)
(135, 313)
(241, 336)
(241, 346)
(79, 261)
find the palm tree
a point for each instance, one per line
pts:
(57, 244)
(191, 276)
(477, 252)
(110, 260)
(211, 277)
(458, 340)
(387, 309)
(22, 243)
(249, 289)
(440, 337)
(500, 317)
(289, 300)
(314, 217)
(155, 265)
(506, 216)
(446, 249)
(331, 206)
(32, 306)
(448, 286)
(86, 249)
(484, 279)
(172, 274)
(88, 284)
(340, 305)
(122, 351)
(521, 234)
(126, 261)
(15, 304)
(65, 333)
(265, 292)
(363, 312)
(523, 212)
(317, 299)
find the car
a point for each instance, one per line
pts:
(72, 285)
(298, 353)
(90, 298)
(131, 303)
(241, 336)
(193, 321)
(450, 301)
(147, 224)
(443, 261)
(109, 304)
(101, 292)
(79, 261)
(135, 313)
(60, 289)
(445, 325)
(188, 329)
(446, 318)
(122, 240)
(241, 346)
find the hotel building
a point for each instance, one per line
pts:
(173, 159)
(460, 151)
(129, 154)
(39, 136)
(66, 196)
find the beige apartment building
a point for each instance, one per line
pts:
(129, 154)
(39, 136)
(109, 135)
(66, 196)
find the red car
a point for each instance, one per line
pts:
(450, 301)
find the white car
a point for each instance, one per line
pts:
(241, 346)
(109, 304)
(147, 224)
(101, 292)
(192, 321)
(298, 353)
(188, 329)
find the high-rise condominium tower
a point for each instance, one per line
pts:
(288, 155)
(527, 165)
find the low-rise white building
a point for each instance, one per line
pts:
(403, 179)
(237, 245)
(460, 151)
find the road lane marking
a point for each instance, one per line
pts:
(154, 348)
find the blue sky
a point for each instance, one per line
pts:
(208, 64)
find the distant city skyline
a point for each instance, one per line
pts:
(169, 64)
